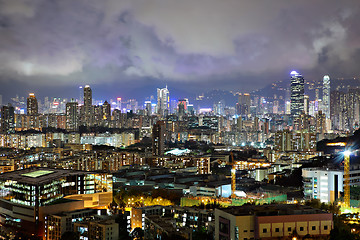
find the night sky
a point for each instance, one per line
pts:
(131, 47)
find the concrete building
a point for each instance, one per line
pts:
(322, 184)
(270, 222)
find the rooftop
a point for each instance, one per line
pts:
(38, 176)
(272, 210)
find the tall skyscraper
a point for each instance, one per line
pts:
(297, 94)
(72, 116)
(7, 119)
(32, 105)
(88, 107)
(158, 138)
(326, 96)
(32, 112)
(163, 101)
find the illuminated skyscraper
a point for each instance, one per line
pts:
(88, 107)
(326, 96)
(32, 105)
(297, 94)
(72, 116)
(163, 101)
(32, 112)
(7, 119)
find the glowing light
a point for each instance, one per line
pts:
(119, 98)
(347, 153)
(294, 73)
(340, 144)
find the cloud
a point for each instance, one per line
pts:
(66, 42)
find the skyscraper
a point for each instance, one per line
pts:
(326, 96)
(7, 119)
(32, 105)
(244, 102)
(297, 94)
(158, 138)
(72, 116)
(88, 107)
(163, 101)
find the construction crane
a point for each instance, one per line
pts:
(233, 176)
(347, 178)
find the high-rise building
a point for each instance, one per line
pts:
(72, 116)
(326, 96)
(32, 105)
(297, 94)
(158, 138)
(118, 103)
(88, 107)
(32, 112)
(106, 109)
(306, 104)
(7, 119)
(163, 101)
(148, 111)
(81, 100)
(244, 103)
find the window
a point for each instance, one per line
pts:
(252, 230)
(325, 227)
(301, 228)
(313, 228)
(289, 229)
(264, 230)
(277, 230)
(245, 230)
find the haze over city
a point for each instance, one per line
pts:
(129, 47)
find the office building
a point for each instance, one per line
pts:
(163, 101)
(322, 184)
(29, 194)
(297, 94)
(326, 96)
(275, 221)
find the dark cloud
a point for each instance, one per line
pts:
(200, 44)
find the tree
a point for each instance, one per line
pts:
(137, 233)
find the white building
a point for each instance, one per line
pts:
(322, 184)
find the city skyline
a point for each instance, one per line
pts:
(51, 46)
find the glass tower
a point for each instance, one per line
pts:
(326, 96)
(297, 94)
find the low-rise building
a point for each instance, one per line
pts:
(271, 222)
